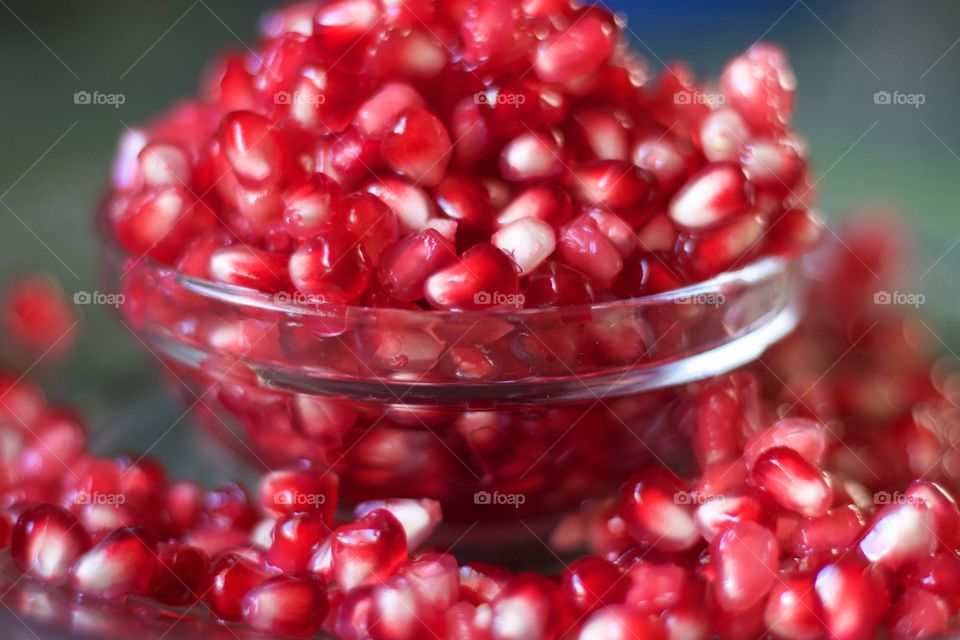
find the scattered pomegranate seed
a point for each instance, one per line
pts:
(46, 542)
(367, 551)
(853, 598)
(231, 577)
(286, 605)
(179, 576)
(526, 608)
(37, 318)
(658, 512)
(120, 565)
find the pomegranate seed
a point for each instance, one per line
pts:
(946, 515)
(353, 615)
(480, 583)
(722, 135)
(323, 99)
(46, 542)
(716, 193)
(585, 248)
(745, 556)
(793, 611)
(556, 285)
(759, 85)
(311, 206)
(615, 185)
(160, 222)
(618, 232)
(773, 167)
(120, 565)
(527, 241)
(332, 267)
(854, 599)
(549, 203)
(368, 550)
(412, 205)
(469, 132)
(662, 158)
(419, 518)
(376, 116)
(250, 268)
(179, 576)
(591, 583)
(720, 511)
(532, 156)
(231, 577)
(687, 623)
(619, 622)
(397, 612)
(286, 605)
(796, 231)
(656, 587)
(577, 51)
(405, 267)
(919, 614)
(804, 436)
(939, 574)
(163, 165)
(339, 25)
(468, 203)
(483, 276)
(899, 534)
(368, 218)
(783, 475)
(658, 512)
(527, 608)
(231, 84)
(601, 134)
(298, 491)
(494, 33)
(723, 248)
(295, 538)
(37, 319)
(832, 533)
(348, 158)
(417, 145)
(253, 148)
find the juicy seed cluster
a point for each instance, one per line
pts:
(501, 138)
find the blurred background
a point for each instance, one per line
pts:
(56, 153)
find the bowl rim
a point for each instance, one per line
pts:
(753, 272)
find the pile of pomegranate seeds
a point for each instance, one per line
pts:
(822, 508)
(435, 154)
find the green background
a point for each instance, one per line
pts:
(55, 154)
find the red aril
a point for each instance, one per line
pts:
(722, 135)
(331, 267)
(405, 266)
(614, 185)
(286, 605)
(398, 612)
(417, 146)
(600, 135)
(919, 614)
(494, 33)
(576, 51)
(620, 622)
(294, 540)
(311, 206)
(900, 534)
(342, 24)
(939, 574)
(715, 194)
(659, 586)
(323, 98)
(854, 599)
(376, 116)
(661, 157)
(413, 207)
(658, 511)
(419, 518)
(550, 203)
(943, 507)
(721, 249)
(180, 572)
(482, 277)
(467, 202)
(292, 491)
(253, 148)
(783, 475)
(527, 608)
(556, 285)
(534, 155)
(164, 165)
(831, 533)
(159, 223)
(247, 267)
(720, 511)
(585, 248)
(745, 555)
(120, 565)
(793, 611)
(46, 542)
(373, 222)
(759, 85)
(231, 577)
(591, 583)
(772, 166)
(37, 319)
(528, 241)
(806, 437)
(368, 550)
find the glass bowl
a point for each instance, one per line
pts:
(499, 415)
